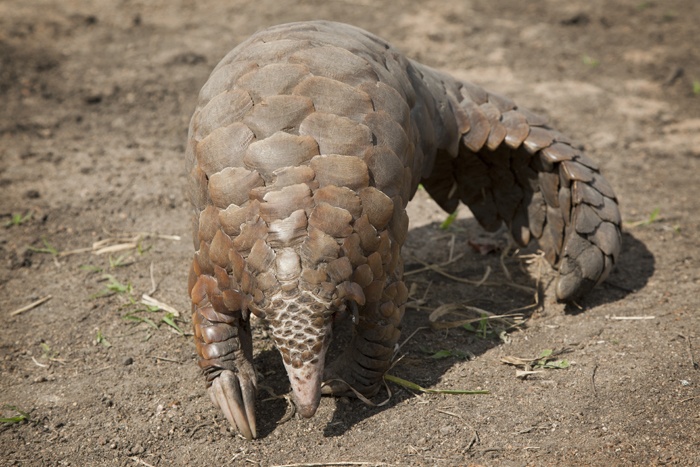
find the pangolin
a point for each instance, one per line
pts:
(307, 142)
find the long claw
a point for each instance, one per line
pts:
(249, 404)
(236, 399)
(334, 387)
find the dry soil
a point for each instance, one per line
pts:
(95, 98)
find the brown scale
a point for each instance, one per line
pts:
(307, 143)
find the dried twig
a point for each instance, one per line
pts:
(693, 363)
(115, 248)
(482, 281)
(150, 301)
(630, 318)
(30, 306)
(154, 286)
(39, 364)
(361, 396)
(595, 369)
(118, 242)
(165, 359)
(140, 461)
(453, 308)
(429, 267)
(330, 464)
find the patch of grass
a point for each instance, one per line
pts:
(102, 340)
(140, 249)
(696, 87)
(644, 5)
(48, 248)
(22, 417)
(114, 263)
(590, 61)
(47, 352)
(18, 219)
(448, 222)
(90, 268)
(132, 316)
(545, 361)
(114, 287)
(483, 329)
(136, 311)
(119, 262)
(654, 216)
(446, 353)
(169, 318)
(669, 16)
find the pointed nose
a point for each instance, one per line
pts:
(308, 410)
(306, 387)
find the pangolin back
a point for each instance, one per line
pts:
(307, 143)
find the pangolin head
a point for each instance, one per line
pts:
(301, 328)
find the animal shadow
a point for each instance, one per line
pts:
(430, 245)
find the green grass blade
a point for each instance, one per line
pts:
(448, 222)
(23, 416)
(168, 319)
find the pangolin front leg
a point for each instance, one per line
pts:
(225, 346)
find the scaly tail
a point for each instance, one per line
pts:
(511, 167)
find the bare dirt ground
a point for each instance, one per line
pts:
(95, 97)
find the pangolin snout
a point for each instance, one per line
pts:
(306, 386)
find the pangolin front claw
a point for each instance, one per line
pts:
(235, 396)
(333, 386)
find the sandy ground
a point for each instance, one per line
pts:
(95, 97)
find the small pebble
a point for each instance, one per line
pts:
(128, 361)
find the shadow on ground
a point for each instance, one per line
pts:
(631, 274)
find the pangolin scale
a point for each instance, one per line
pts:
(307, 142)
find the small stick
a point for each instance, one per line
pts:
(693, 363)
(150, 301)
(595, 368)
(481, 282)
(504, 253)
(115, 248)
(630, 318)
(292, 409)
(449, 413)
(452, 246)
(74, 252)
(39, 364)
(100, 370)
(168, 360)
(140, 461)
(473, 441)
(31, 305)
(333, 464)
(154, 286)
(429, 267)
